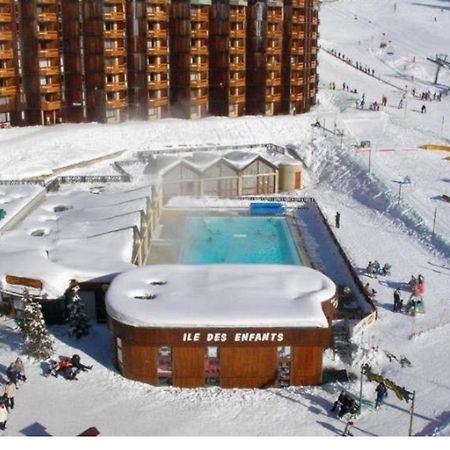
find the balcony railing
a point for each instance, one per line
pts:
(50, 105)
(273, 66)
(156, 102)
(297, 81)
(157, 16)
(157, 51)
(116, 104)
(52, 70)
(8, 91)
(119, 68)
(297, 66)
(237, 34)
(203, 100)
(114, 87)
(237, 82)
(273, 81)
(115, 51)
(6, 54)
(274, 16)
(237, 50)
(296, 97)
(273, 50)
(162, 34)
(114, 34)
(47, 17)
(162, 67)
(201, 67)
(199, 34)
(237, 16)
(46, 2)
(199, 16)
(49, 53)
(50, 88)
(274, 34)
(298, 17)
(8, 72)
(48, 35)
(202, 50)
(313, 64)
(298, 35)
(157, 85)
(273, 98)
(298, 50)
(195, 84)
(114, 16)
(5, 35)
(236, 99)
(237, 67)
(298, 3)
(5, 17)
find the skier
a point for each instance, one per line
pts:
(369, 291)
(20, 370)
(423, 109)
(76, 362)
(11, 373)
(347, 430)
(382, 393)
(3, 416)
(65, 367)
(400, 104)
(398, 302)
(10, 390)
(338, 219)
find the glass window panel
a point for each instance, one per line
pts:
(164, 368)
(284, 366)
(212, 366)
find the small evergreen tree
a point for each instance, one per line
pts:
(38, 341)
(78, 321)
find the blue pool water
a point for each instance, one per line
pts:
(238, 240)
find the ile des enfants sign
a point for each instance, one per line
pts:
(233, 336)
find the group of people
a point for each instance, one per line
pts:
(345, 404)
(69, 368)
(374, 268)
(15, 373)
(417, 286)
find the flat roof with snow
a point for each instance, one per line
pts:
(220, 295)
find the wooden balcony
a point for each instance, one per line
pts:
(157, 51)
(116, 104)
(272, 98)
(312, 78)
(273, 50)
(237, 34)
(298, 35)
(203, 100)
(297, 81)
(157, 16)
(315, 35)
(274, 16)
(296, 97)
(114, 2)
(6, 54)
(158, 85)
(162, 67)
(297, 66)
(47, 17)
(237, 99)
(114, 16)
(51, 70)
(8, 72)
(196, 51)
(237, 16)
(237, 82)
(237, 67)
(315, 21)
(48, 35)
(46, 2)
(298, 17)
(273, 81)
(53, 88)
(237, 50)
(274, 66)
(201, 67)
(115, 51)
(158, 102)
(114, 34)
(50, 105)
(116, 87)
(314, 50)
(313, 64)
(196, 84)
(274, 34)
(6, 35)
(312, 93)
(199, 16)
(161, 34)
(7, 91)
(49, 53)
(298, 3)
(297, 50)
(5, 17)
(158, 2)
(199, 34)
(119, 68)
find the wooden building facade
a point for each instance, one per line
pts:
(107, 60)
(230, 358)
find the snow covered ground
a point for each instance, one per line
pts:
(374, 225)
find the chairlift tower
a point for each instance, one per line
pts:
(441, 61)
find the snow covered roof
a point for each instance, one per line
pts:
(220, 295)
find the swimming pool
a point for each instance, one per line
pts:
(238, 240)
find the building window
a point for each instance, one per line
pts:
(164, 369)
(119, 352)
(284, 366)
(212, 366)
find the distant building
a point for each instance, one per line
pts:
(109, 60)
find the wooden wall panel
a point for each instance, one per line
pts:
(188, 366)
(248, 367)
(306, 368)
(139, 363)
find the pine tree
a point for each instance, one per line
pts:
(78, 321)
(38, 341)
